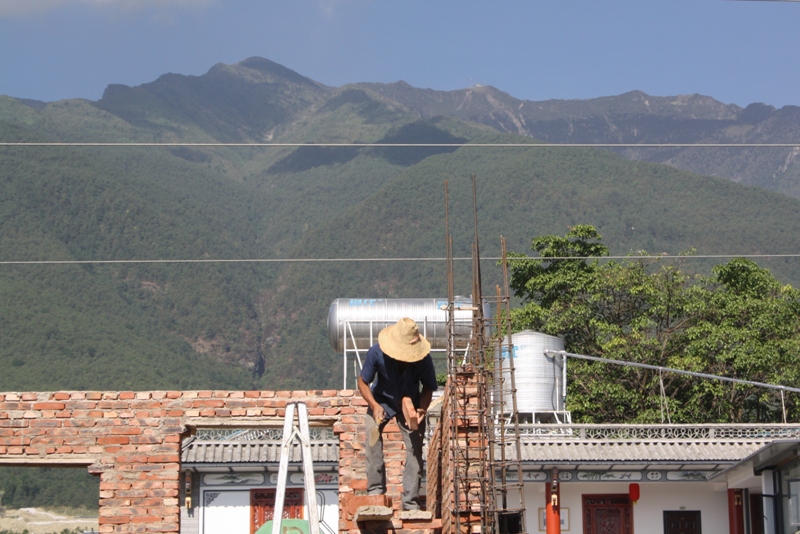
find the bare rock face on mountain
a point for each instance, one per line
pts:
(635, 118)
(257, 100)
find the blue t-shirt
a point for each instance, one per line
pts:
(390, 386)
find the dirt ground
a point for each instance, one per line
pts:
(43, 522)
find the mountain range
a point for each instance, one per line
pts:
(203, 323)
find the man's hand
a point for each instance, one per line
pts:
(378, 413)
(377, 410)
(421, 413)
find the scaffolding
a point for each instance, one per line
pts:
(484, 446)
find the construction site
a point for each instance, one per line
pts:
(502, 454)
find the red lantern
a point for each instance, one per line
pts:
(633, 492)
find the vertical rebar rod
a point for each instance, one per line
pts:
(452, 362)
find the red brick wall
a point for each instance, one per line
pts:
(459, 424)
(132, 441)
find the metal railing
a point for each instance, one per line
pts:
(657, 432)
(259, 434)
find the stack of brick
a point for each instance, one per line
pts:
(456, 458)
(353, 494)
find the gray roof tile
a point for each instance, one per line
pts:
(254, 452)
(538, 451)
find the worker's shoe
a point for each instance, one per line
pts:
(415, 515)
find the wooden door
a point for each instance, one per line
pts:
(607, 514)
(756, 513)
(262, 506)
(682, 522)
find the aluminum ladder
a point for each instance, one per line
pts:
(290, 432)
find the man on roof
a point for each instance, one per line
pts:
(395, 368)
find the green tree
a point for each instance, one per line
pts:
(740, 322)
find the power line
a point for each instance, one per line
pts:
(669, 369)
(410, 145)
(395, 145)
(388, 259)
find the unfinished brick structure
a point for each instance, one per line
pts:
(453, 454)
(132, 440)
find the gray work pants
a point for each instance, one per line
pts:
(412, 473)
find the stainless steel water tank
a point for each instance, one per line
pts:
(538, 378)
(367, 317)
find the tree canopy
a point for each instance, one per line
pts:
(738, 322)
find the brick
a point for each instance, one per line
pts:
(164, 511)
(163, 458)
(114, 520)
(113, 440)
(48, 405)
(132, 459)
(164, 527)
(45, 424)
(126, 431)
(146, 519)
(359, 484)
(147, 484)
(208, 403)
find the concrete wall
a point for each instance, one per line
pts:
(711, 499)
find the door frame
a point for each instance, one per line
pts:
(620, 501)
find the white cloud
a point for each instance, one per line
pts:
(30, 8)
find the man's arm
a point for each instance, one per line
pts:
(366, 394)
(429, 385)
(424, 401)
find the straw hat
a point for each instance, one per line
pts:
(402, 341)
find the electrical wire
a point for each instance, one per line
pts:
(408, 145)
(384, 259)
(397, 145)
(659, 368)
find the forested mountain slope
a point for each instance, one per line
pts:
(201, 323)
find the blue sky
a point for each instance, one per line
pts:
(735, 51)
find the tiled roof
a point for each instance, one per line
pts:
(253, 452)
(641, 452)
